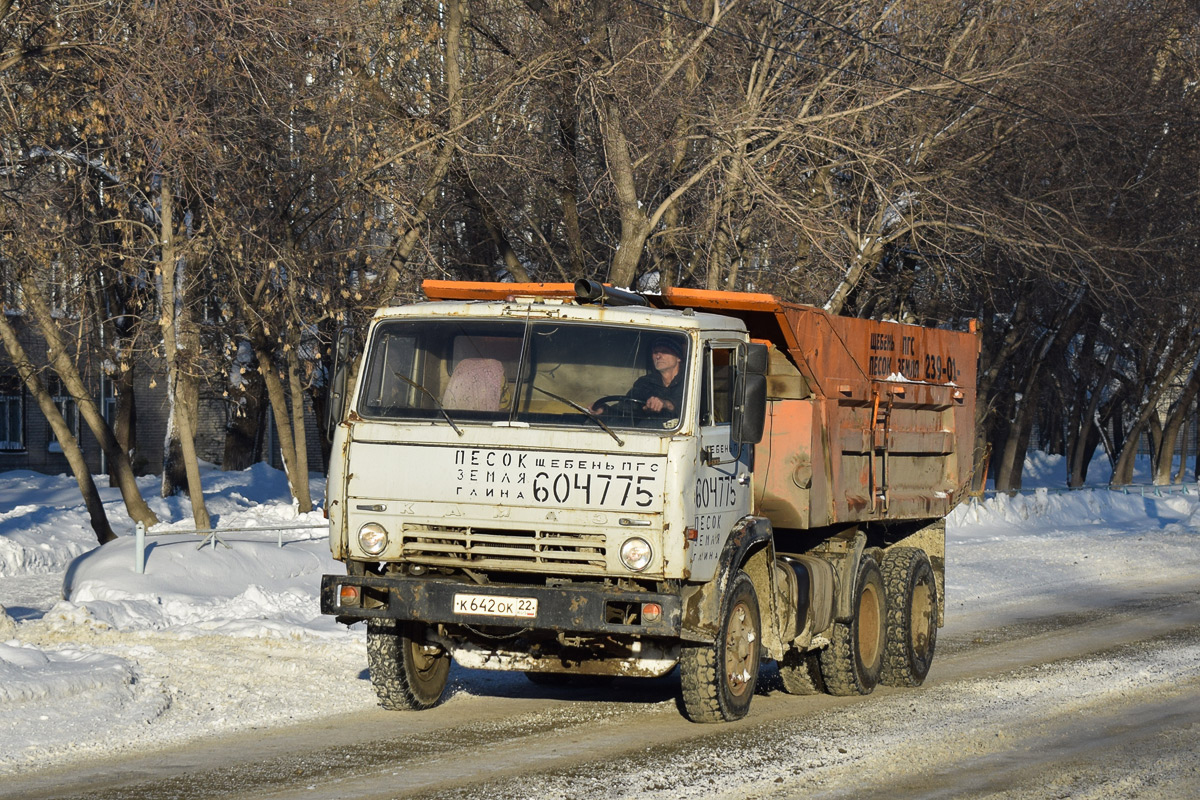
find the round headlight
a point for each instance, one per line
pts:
(372, 538)
(636, 554)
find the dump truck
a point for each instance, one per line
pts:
(580, 482)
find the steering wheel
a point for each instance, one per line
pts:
(621, 405)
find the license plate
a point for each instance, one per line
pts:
(491, 606)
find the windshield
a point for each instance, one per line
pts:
(535, 372)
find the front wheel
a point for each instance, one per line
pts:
(408, 674)
(718, 679)
(852, 662)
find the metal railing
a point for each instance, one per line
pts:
(212, 537)
(1142, 489)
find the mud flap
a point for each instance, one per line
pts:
(750, 546)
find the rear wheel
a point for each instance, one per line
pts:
(854, 659)
(408, 674)
(800, 672)
(718, 679)
(912, 611)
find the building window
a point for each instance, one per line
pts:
(12, 296)
(67, 407)
(108, 400)
(12, 414)
(65, 285)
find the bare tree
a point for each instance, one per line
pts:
(70, 445)
(177, 340)
(63, 363)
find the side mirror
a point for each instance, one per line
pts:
(757, 358)
(335, 407)
(750, 413)
(750, 401)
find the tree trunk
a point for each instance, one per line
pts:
(867, 259)
(298, 475)
(635, 227)
(407, 240)
(1154, 432)
(60, 360)
(1127, 459)
(1196, 459)
(286, 400)
(1012, 459)
(70, 447)
(280, 407)
(568, 183)
(117, 331)
(174, 474)
(1053, 439)
(1011, 463)
(243, 434)
(1165, 456)
(1183, 352)
(495, 229)
(722, 268)
(298, 468)
(124, 423)
(1091, 439)
(175, 471)
(1086, 433)
(670, 265)
(183, 409)
(1184, 444)
(991, 365)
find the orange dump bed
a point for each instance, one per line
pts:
(866, 420)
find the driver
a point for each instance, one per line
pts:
(660, 392)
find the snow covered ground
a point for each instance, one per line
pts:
(206, 640)
(218, 639)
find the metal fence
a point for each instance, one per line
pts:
(212, 537)
(1142, 489)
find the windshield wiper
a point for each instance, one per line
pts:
(592, 415)
(436, 402)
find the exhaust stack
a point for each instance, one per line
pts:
(589, 291)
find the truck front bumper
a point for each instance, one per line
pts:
(578, 608)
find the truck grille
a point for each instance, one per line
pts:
(537, 551)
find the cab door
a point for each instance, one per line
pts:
(722, 490)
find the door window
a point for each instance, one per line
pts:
(717, 392)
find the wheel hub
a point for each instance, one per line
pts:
(740, 650)
(921, 620)
(870, 626)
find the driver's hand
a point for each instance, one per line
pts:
(597, 409)
(657, 404)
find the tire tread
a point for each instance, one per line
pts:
(386, 661)
(898, 568)
(841, 671)
(800, 673)
(702, 678)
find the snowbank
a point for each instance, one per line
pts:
(1011, 556)
(132, 660)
